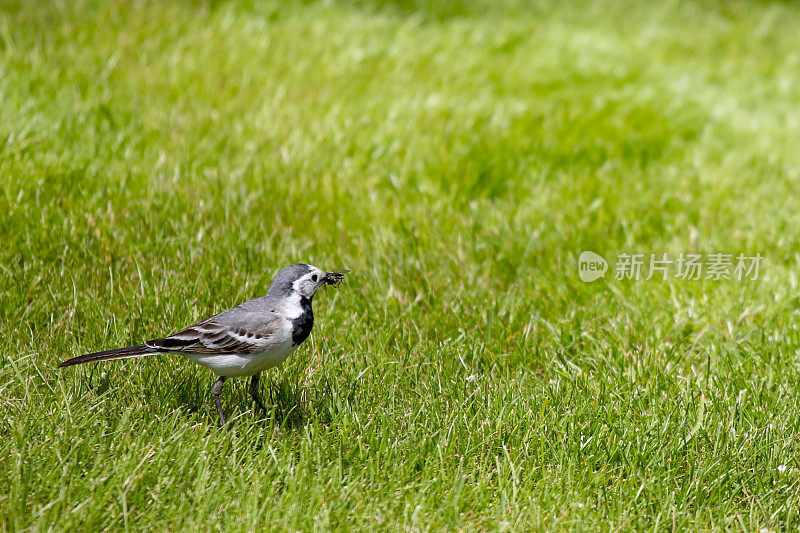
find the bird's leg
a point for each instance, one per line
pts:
(254, 392)
(216, 390)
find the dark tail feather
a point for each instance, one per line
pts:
(118, 353)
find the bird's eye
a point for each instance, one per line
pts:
(314, 278)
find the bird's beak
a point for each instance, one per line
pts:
(335, 277)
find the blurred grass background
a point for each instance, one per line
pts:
(160, 162)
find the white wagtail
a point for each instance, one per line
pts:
(245, 340)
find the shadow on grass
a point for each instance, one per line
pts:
(289, 402)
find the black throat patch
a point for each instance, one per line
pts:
(301, 326)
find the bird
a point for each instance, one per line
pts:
(245, 340)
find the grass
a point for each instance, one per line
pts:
(160, 161)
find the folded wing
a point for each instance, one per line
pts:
(211, 337)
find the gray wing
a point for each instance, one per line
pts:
(220, 335)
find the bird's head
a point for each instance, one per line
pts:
(304, 280)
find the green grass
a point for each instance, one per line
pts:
(161, 161)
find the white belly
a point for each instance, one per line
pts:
(238, 365)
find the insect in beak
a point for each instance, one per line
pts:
(334, 278)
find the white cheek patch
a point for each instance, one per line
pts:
(296, 285)
(311, 286)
